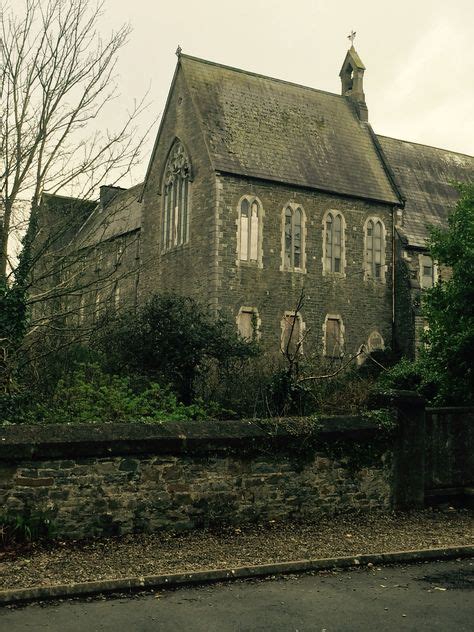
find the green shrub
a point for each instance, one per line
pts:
(27, 527)
(411, 376)
(89, 395)
(169, 340)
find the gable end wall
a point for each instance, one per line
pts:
(188, 269)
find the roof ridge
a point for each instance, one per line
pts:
(412, 142)
(65, 197)
(259, 75)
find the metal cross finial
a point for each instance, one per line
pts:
(178, 51)
(352, 37)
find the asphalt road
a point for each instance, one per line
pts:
(432, 596)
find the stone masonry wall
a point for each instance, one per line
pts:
(364, 305)
(121, 478)
(187, 269)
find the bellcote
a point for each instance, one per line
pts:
(352, 82)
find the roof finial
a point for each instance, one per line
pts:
(352, 37)
(178, 51)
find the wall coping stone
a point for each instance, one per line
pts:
(26, 442)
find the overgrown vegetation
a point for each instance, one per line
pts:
(170, 360)
(444, 372)
(170, 340)
(29, 526)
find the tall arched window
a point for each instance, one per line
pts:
(334, 242)
(293, 238)
(374, 249)
(175, 229)
(250, 217)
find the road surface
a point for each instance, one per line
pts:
(431, 596)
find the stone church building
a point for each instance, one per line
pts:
(258, 189)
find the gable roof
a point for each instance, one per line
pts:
(120, 216)
(424, 174)
(266, 128)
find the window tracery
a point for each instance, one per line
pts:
(175, 225)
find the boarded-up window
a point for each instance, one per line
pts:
(247, 323)
(333, 338)
(292, 331)
(426, 271)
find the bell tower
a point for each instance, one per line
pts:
(352, 80)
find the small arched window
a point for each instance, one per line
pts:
(375, 342)
(293, 239)
(334, 242)
(374, 249)
(175, 224)
(250, 217)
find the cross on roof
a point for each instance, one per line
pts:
(352, 37)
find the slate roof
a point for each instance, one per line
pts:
(120, 216)
(267, 128)
(424, 174)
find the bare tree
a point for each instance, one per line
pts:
(57, 76)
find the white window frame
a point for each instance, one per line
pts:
(251, 236)
(342, 271)
(368, 272)
(283, 265)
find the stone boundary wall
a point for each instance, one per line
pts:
(92, 480)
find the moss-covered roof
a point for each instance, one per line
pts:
(271, 129)
(424, 175)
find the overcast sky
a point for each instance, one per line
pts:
(419, 82)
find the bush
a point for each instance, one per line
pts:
(411, 376)
(449, 306)
(169, 340)
(89, 395)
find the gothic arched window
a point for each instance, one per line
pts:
(374, 249)
(293, 238)
(334, 242)
(249, 232)
(175, 224)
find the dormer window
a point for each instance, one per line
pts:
(175, 221)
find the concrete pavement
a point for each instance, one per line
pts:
(428, 596)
